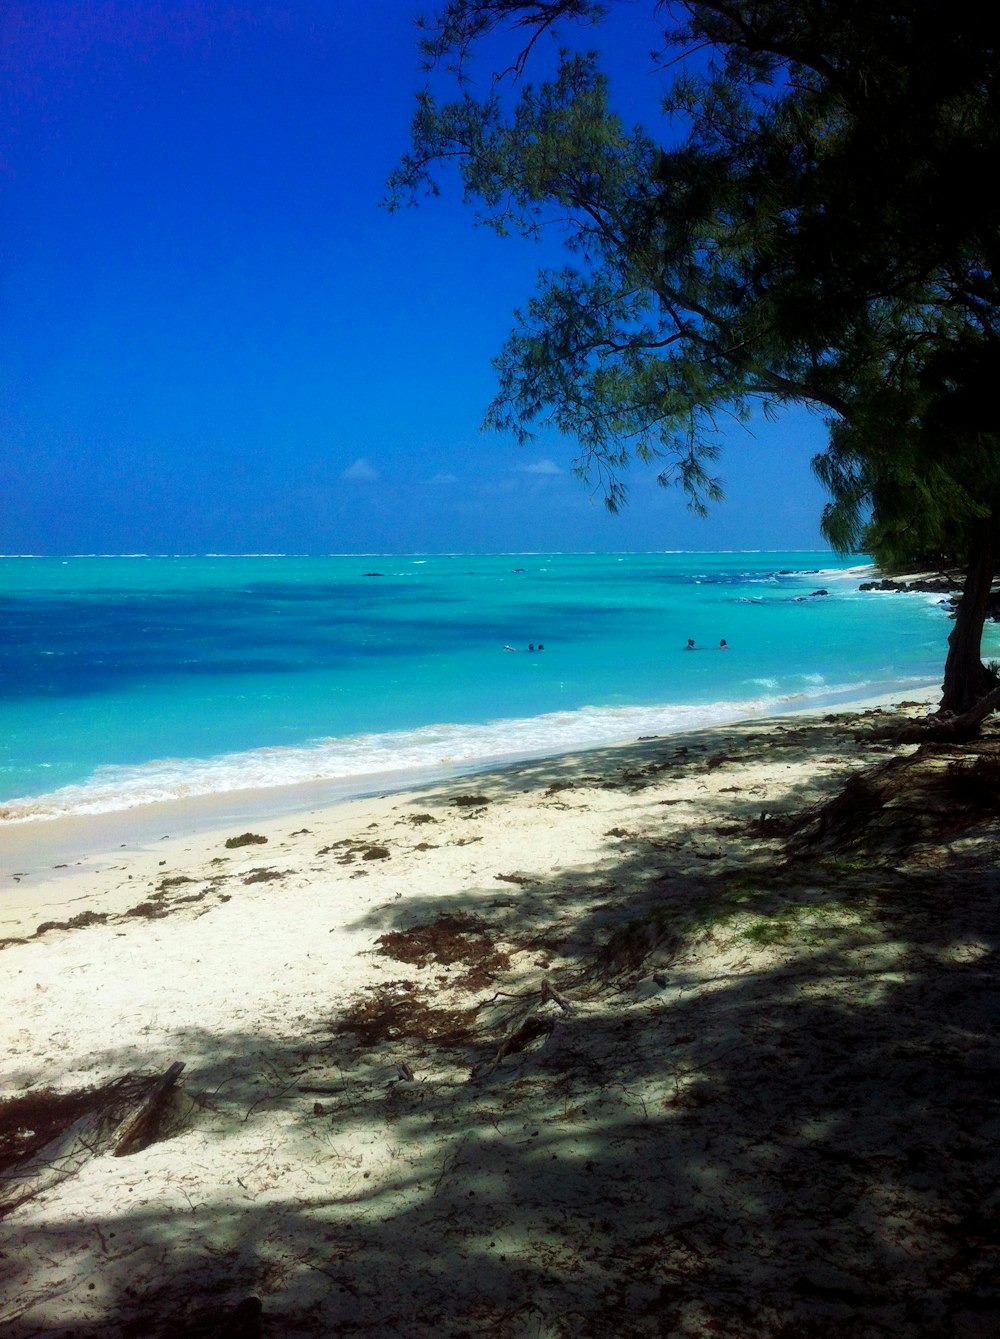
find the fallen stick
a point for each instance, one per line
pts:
(132, 1131)
(549, 992)
(530, 1028)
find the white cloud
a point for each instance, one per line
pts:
(361, 471)
(445, 479)
(544, 466)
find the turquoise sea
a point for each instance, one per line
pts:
(125, 680)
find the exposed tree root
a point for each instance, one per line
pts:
(948, 728)
(940, 789)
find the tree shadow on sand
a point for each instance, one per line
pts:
(762, 1101)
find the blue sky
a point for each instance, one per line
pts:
(213, 338)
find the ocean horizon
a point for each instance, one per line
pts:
(132, 679)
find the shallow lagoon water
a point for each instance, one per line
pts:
(127, 680)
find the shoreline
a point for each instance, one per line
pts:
(44, 854)
(435, 750)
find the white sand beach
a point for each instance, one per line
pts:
(587, 1046)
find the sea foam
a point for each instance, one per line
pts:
(394, 759)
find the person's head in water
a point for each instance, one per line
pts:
(531, 646)
(690, 645)
(723, 645)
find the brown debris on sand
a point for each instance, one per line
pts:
(694, 1038)
(245, 839)
(46, 1136)
(456, 939)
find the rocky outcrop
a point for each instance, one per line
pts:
(944, 585)
(947, 585)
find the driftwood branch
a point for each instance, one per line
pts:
(133, 1131)
(549, 992)
(527, 1030)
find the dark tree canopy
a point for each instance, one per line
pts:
(813, 220)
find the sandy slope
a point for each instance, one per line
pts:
(669, 1075)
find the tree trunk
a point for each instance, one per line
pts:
(966, 678)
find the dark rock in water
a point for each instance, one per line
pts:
(821, 592)
(373, 574)
(930, 585)
(924, 585)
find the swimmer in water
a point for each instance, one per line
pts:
(690, 646)
(723, 645)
